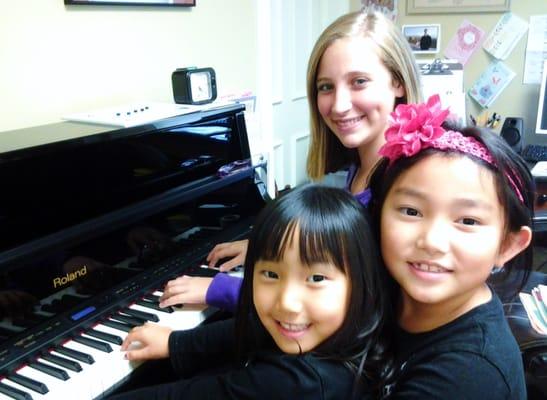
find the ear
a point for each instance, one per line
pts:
(514, 244)
(398, 89)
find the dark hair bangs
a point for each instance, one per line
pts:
(321, 238)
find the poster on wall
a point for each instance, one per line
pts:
(505, 36)
(491, 83)
(465, 42)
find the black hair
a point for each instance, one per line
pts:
(508, 169)
(332, 228)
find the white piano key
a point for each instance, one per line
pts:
(109, 368)
(186, 317)
(93, 384)
(78, 384)
(57, 388)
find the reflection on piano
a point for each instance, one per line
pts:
(91, 230)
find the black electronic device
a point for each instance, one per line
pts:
(512, 132)
(194, 85)
(534, 153)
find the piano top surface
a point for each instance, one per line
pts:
(77, 132)
(50, 133)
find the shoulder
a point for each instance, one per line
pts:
(455, 374)
(303, 376)
(478, 344)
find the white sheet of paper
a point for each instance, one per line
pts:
(505, 35)
(536, 49)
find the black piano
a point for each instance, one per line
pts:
(93, 226)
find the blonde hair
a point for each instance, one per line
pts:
(326, 153)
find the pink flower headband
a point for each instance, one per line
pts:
(415, 127)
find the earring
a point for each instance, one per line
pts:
(496, 270)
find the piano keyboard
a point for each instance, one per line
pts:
(90, 364)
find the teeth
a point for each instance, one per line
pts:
(293, 327)
(428, 268)
(348, 121)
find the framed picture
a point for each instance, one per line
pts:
(171, 3)
(456, 6)
(423, 39)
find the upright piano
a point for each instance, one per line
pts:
(94, 225)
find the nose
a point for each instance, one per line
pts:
(434, 237)
(342, 101)
(290, 299)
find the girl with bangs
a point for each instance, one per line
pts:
(309, 318)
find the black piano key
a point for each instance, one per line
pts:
(152, 297)
(96, 344)
(62, 362)
(117, 325)
(50, 370)
(154, 306)
(14, 393)
(107, 337)
(75, 354)
(141, 314)
(28, 383)
(128, 319)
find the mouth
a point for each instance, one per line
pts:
(292, 330)
(348, 123)
(433, 268)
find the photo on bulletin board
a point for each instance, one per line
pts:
(423, 39)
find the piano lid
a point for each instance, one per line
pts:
(55, 186)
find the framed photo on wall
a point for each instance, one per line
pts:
(456, 6)
(175, 3)
(424, 38)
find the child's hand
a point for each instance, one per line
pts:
(237, 250)
(185, 290)
(150, 342)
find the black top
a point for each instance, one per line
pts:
(472, 357)
(425, 42)
(270, 374)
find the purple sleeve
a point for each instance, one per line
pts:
(224, 292)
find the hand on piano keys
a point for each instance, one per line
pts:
(185, 290)
(147, 342)
(91, 363)
(236, 251)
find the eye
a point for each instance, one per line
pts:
(360, 82)
(412, 212)
(469, 221)
(324, 87)
(316, 278)
(269, 274)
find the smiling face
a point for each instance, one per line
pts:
(441, 232)
(299, 305)
(356, 92)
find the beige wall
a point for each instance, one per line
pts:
(518, 99)
(57, 59)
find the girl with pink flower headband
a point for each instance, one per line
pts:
(451, 207)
